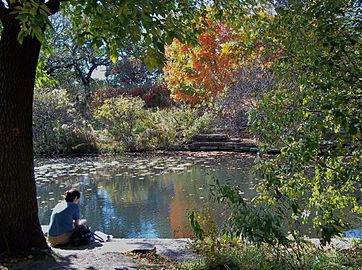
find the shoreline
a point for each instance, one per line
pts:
(129, 253)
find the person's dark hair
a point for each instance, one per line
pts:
(71, 194)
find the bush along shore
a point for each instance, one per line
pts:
(234, 253)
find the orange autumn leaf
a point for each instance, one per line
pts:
(199, 73)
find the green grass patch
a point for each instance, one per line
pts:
(234, 254)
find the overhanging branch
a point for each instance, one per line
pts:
(53, 5)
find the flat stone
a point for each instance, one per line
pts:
(208, 148)
(226, 147)
(242, 149)
(211, 137)
(175, 148)
(219, 144)
(175, 249)
(109, 255)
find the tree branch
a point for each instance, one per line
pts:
(52, 68)
(54, 5)
(90, 71)
(4, 12)
(96, 63)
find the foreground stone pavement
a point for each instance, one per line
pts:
(109, 255)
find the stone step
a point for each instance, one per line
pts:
(220, 146)
(220, 142)
(226, 144)
(217, 137)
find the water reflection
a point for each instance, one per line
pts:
(140, 196)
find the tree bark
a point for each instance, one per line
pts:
(20, 230)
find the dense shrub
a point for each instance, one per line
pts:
(57, 126)
(135, 127)
(119, 123)
(120, 116)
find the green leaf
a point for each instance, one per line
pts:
(114, 58)
(21, 36)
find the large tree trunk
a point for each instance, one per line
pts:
(20, 230)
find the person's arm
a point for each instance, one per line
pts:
(76, 216)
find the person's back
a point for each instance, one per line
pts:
(61, 220)
(64, 218)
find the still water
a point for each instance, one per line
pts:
(141, 196)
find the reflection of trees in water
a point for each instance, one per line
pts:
(195, 184)
(130, 207)
(97, 209)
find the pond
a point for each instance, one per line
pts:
(145, 196)
(141, 196)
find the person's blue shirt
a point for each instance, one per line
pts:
(61, 220)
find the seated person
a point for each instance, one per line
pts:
(64, 218)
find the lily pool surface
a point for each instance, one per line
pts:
(143, 196)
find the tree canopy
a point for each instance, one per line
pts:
(313, 113)
(109, 23)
